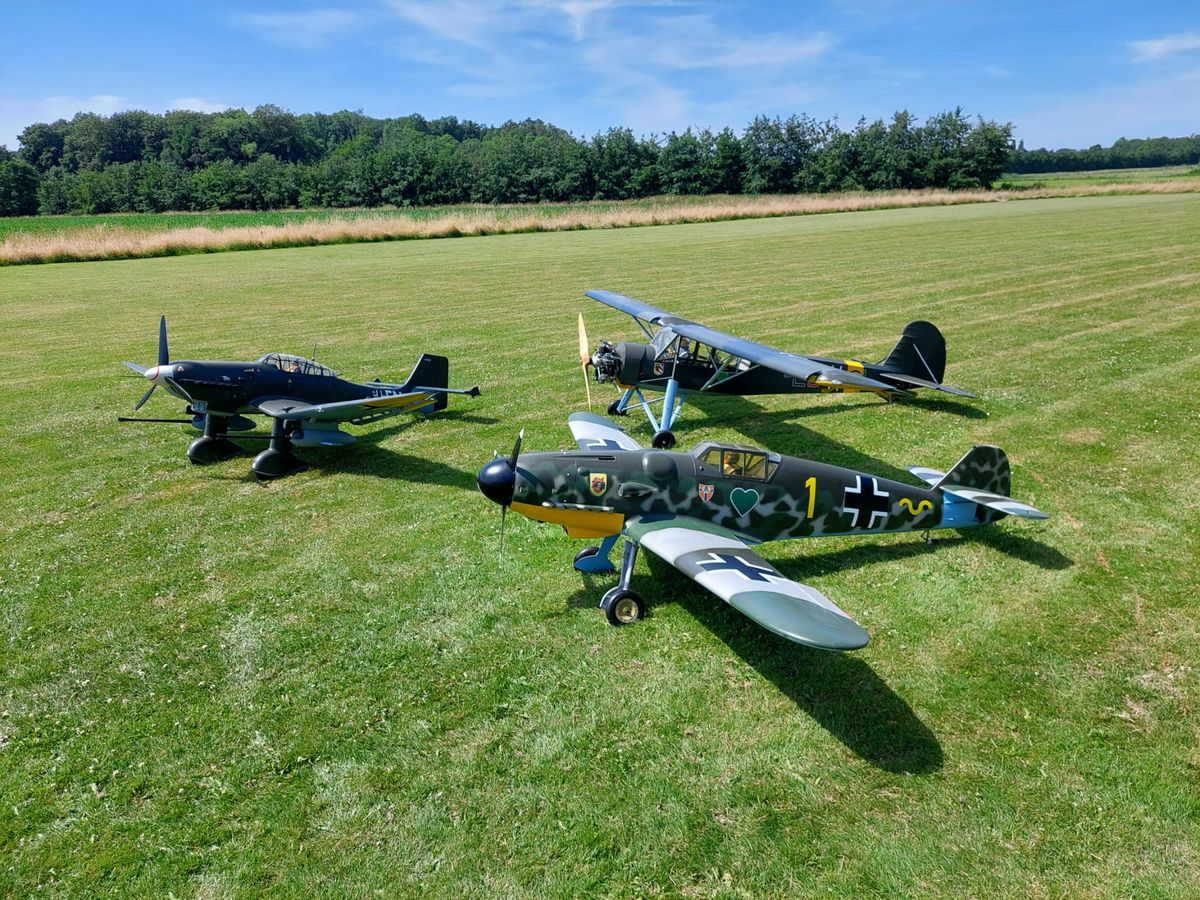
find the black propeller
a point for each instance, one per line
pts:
(497, 481)
(164, 359)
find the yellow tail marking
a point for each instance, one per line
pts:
(853, 365)
(921, 507)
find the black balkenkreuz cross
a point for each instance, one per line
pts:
(866, 500)
(727, 562)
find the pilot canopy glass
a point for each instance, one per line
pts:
(739, 462)
(297, 365)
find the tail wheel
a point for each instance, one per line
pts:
(623, 607)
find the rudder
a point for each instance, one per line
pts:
(431, 372)
(985, 468)
(920, 352)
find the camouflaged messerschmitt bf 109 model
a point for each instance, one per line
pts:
(684, 356)
(702, 511)
(305, 400)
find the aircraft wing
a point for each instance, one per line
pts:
(595, 433)
(346, 410)
(719, 562)
(799, 367)
(635, 308)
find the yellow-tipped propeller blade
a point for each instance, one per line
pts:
(585, 357)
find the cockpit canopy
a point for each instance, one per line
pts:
(734, 461)
(285, 362)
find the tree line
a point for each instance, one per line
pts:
(272, 159)
(1123, 154)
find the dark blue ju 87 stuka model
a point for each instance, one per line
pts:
(305, 400)
(702, 511)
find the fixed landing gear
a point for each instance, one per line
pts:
(621, 605)
(278, 459)
(614, 408)
(663, 440)
(213, 445)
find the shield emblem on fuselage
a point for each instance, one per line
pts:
(705, 491)
(598, 483)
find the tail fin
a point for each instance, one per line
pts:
(920, 352)
(431, 372)
(983, 478)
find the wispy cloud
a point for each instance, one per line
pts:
(1169, 45)
(305, 29)
(197, 104)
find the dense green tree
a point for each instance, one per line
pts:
(18, 188)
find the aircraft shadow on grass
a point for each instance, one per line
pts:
(368, 457)
(841, 692)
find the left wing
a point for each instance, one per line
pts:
(367, 409)
(718, 561)
(594, 433)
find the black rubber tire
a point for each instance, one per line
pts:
(586, 552)
(614, 409)
(623, 607)
(663, 440)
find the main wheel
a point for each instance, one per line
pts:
(663, 440)
(622, 607)
(614, 408)
(585, 553)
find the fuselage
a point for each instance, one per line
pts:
(225, 387)
(758, 495)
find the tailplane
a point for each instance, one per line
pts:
(919, 359)
(983, 478)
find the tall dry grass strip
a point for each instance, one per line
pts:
(115, 242)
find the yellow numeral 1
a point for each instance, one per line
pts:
(811, 484)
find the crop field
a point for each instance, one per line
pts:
(1100, 176)
(334, 685)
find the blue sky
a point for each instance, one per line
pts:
(1065, 74)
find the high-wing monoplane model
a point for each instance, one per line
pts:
(305, 400)
(703, 511)
(686, 356)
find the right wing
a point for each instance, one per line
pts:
(719, 562)
(595, 433)
(355, 411)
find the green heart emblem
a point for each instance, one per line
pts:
(743, 500)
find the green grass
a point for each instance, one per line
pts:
(331, 685)
(1098, 176)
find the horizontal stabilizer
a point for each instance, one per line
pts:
(926, 474)
(914, 381)
(841, 378)
(998, 502)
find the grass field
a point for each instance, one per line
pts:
(1100, 176)
(331, 685)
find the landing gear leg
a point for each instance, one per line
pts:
(213, 445)
(925, 535)
(278, 459)
(621, 605)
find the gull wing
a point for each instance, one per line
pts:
(357, 411)
(595, 433)
(720, 562)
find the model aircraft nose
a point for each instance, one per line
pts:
(158, 373)
(496, 481)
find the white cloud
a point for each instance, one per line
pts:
(307, 29)
(198, 104)
(1170, 45)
